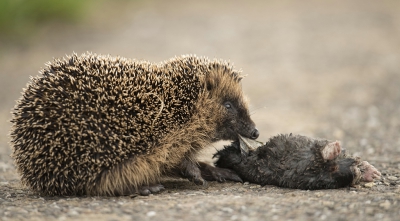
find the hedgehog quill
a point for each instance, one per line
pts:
(102, 125)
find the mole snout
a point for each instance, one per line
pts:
(254, 134)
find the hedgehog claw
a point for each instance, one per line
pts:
(199, 181)
(149, 189)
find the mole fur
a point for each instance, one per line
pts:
(296, 161)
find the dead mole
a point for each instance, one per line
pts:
(295, 161)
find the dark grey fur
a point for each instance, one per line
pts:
(294, 161)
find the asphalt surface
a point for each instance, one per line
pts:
(324, 69)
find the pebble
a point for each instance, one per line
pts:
(328, 203)
(73, 213)
(386, 183)
(386, 205)
(5, 183)
(392, 178)
(369, 211)
(319, 194)
(227, 209)
(151, 213)
(369, 185)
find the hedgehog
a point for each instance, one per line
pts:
(294, 161)
(101, 125)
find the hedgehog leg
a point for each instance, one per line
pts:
(190, 169)
(148, 189)
(211, 173)
(369, 173)
(331, 151)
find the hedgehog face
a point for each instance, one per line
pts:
(236, 121)
(232, 113)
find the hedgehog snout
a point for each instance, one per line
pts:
(249, 130)
(254, 134)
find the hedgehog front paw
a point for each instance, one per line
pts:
(149, 189)
(190, 170)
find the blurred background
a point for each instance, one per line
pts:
(319, 68)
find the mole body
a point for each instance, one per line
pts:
(295, 161)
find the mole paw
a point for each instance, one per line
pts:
(368, 172)
(331, 150)
(148, 189)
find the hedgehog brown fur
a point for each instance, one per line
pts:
(102, 125)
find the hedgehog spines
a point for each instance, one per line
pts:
(95, 124)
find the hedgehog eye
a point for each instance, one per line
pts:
(228, 105)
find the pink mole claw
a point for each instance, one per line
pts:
(369, 173)
(331, 150)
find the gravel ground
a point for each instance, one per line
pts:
(324, 69)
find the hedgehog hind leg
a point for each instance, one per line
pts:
(136, 175)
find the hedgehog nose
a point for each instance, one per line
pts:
(255, 134)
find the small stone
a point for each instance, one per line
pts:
(227, 209)
(319, 194)
(386, 205)
(369, 185)
(369, 211)
(234, 217)
(328, 203)
(338, 134)
(246, 183)
(392, 178)
(151, 213)
(386, 183)
(73, 213)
